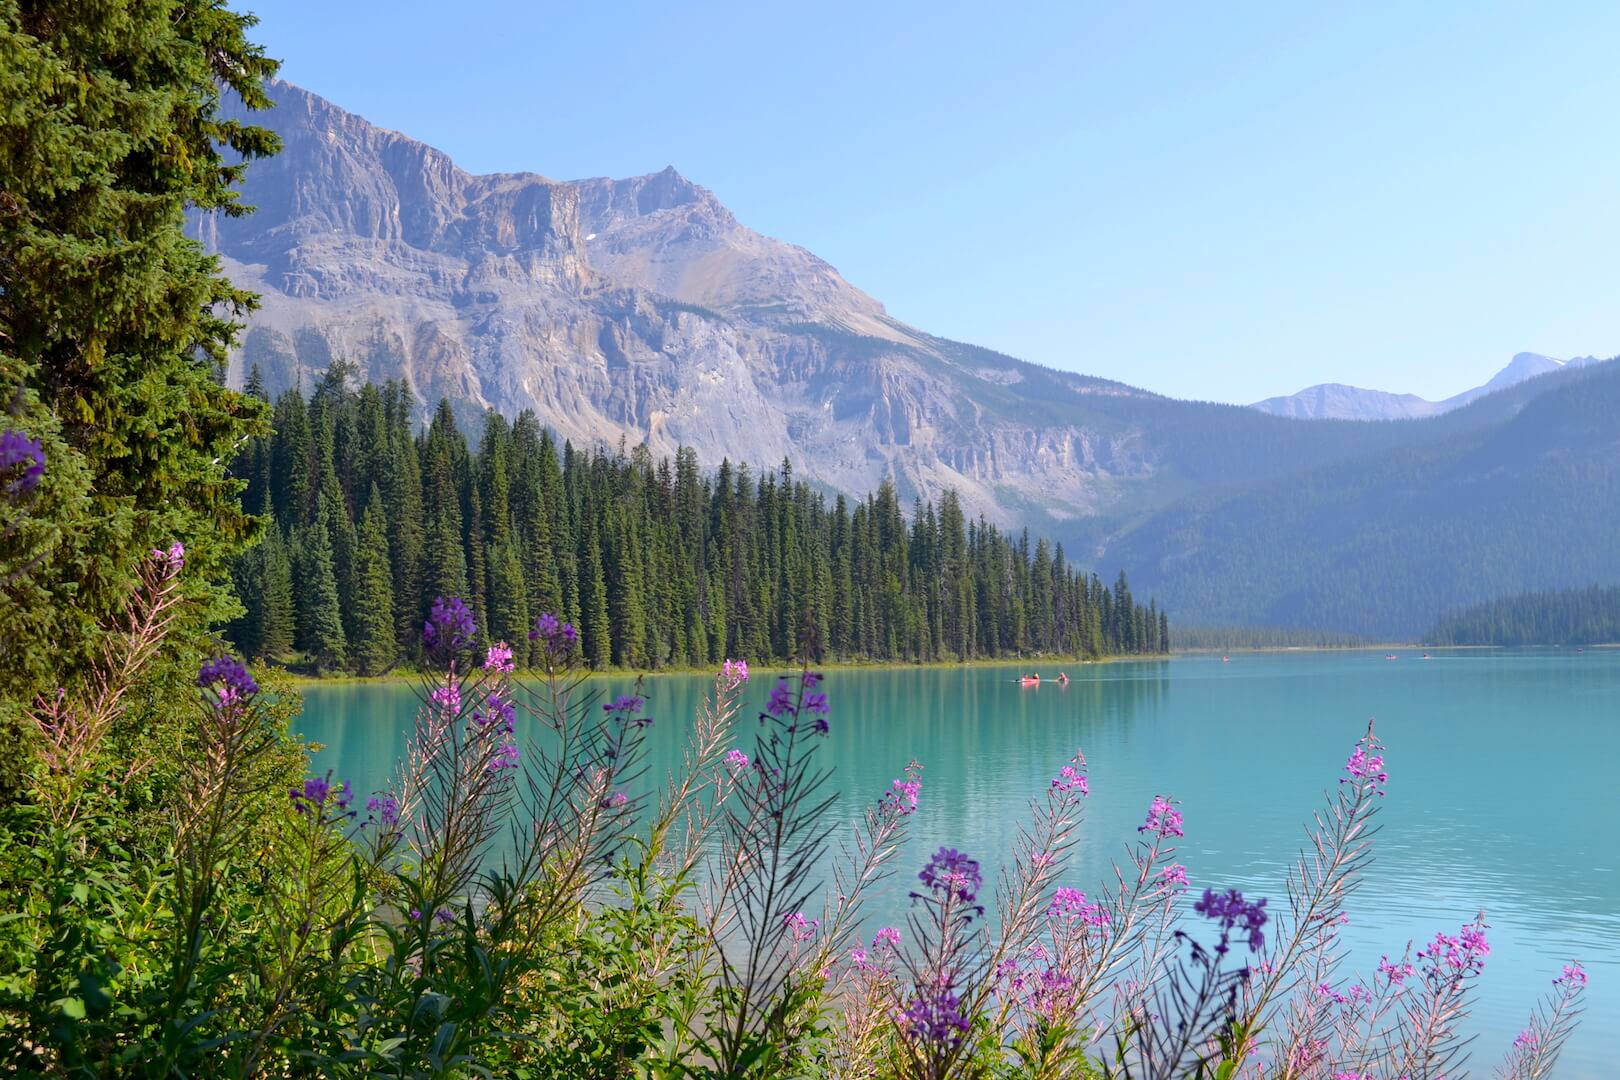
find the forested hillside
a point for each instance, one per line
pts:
(1564, 617)
(656, 563)
(1376, 546)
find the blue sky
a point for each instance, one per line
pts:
(1221, 201)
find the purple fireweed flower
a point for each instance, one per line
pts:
(800, 928)
(444, 917)
(384, 808)
(736, 760)
(1174, 875)
(952, 873)
(1395, 973)
(1163, 818)
(416, 914)
(1527, 1040)
(22, 463)
(1071, 779)
(733, 673)
(449, 628)
(935, 1018)
(559, 637)
(506, 758)
(498, 711)
(816, 703)
(498, 657)
(858, 957)
(1229, 910)
(886, 940)
(811, 679)
(1574, 975)
(314, 793)
(229, 680)
(624, 705)
(781, 701)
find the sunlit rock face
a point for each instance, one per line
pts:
(637, 309)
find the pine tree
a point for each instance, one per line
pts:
(375, 647)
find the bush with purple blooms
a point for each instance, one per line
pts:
(524, 899)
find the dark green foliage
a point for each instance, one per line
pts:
(1565, 617)
(658, 565)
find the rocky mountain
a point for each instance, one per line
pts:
(1336, 401)
(641, 309)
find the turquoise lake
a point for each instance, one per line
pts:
(1502, 794)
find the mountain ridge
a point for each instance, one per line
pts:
(1339, 401)
(641, 308)
(641, 311)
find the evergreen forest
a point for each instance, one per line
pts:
(657, 563)
(1560, 617)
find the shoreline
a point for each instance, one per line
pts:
(301, 680)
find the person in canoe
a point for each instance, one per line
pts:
(1029, 680)
(1063, 679)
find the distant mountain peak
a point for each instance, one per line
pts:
(1336, 401)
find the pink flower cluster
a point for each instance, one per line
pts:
(1071, 779)
(172, 560)
(886, 940)
(1175, 874)
(800, 928)
(498, 657)
(733, 673)
(902, 795)
(1071, 905)
(736, 760)
(1463, 954)
(1574, 975)
(447, 698)
(1367, 768)
(1163, 818)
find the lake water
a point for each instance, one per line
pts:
(1502, 792)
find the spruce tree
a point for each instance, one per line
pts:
(278, 610)
(114, 325)
(375, 647)
(508, 598)
(596, 629)
(322, 607)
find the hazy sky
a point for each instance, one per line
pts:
(1222, 201)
